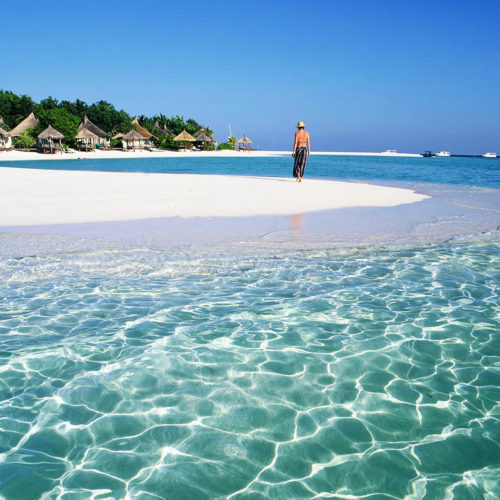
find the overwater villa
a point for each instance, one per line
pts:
(29, 122)
(91, 136)
(50, 140)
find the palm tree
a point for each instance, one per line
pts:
(232, 140)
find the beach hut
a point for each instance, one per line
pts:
(204, 141)
(168, 131)
(163, 131)
(86, 139)
(244, 143)
(29, 122)
(147, 136)
(90, 135)
(159, 130)
(199, 132)
(50, 140)
(5, 139)
(185, 138)
(133, 140)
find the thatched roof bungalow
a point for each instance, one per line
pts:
(164, 131)
(158, 130)
(185, 138)
(199, 132)
(142, 130)
(90, 135)
(205, 140)
(5, 139)
(29, 122)
(134, 140)
(50, 140)
(86, 139)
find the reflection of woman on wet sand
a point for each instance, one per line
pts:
(301, 150)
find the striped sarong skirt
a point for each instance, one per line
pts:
(300, 162)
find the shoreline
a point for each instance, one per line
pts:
(16, 155)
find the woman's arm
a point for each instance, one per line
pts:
(308, 144)
(295, 144)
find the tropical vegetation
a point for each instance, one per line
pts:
(65, 116)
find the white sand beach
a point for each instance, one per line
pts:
(41, 197)
(16, 155)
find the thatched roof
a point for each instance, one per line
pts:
(168, 131)
(184, 136)
(133, 134)
(204, 138)
(85, 133)
(92, 127)
(144, 133)
(199, 132)
(50, 133)
(119, 135)
(244, 140)
(159, 130)
(29, 122)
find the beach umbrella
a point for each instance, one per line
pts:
(184, 137)
(244, 140)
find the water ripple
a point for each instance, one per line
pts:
(260, 374)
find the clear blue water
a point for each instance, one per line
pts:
(463, 171)
(254, 372)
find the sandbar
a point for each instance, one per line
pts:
(41, 197)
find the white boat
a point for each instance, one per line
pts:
(443, 153)
(489, 155)
(390, 152)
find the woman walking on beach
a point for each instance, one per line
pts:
(301, 150)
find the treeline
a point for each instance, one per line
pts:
(65, 116)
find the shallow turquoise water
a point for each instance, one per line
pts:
(462, 171)
(252, 373)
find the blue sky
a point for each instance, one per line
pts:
(365, 75)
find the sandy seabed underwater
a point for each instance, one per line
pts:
(252, 372)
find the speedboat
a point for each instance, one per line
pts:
(443, 153)
(427, 154)
(489, 155)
